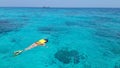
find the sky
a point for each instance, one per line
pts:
(60, 3)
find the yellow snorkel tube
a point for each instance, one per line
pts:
(42, 41)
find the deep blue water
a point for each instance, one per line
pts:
(78, 38)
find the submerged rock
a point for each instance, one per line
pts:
(68, 56)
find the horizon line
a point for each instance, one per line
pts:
(50, 7)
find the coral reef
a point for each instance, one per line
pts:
(75, 55)
(69, 56)
(63, 56)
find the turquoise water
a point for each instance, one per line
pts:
(78, 38)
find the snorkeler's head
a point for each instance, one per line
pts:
(46, 40)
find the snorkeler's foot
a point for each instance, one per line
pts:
(18, 52)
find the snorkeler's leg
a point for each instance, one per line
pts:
(31, 46)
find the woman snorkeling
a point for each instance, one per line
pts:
(41, 42)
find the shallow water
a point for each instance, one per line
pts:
(78, 38)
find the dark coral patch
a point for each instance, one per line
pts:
(115, 50)
(6, 26)
(81, 23)
(102, 19)
(13, 40)
(52, 29)
(46, 29)
(63, 56)
(108, 33)
(117, 64)
(24, 16)
(75, 55)
(110, 48)
(68, 56)
(71, 24)
(5, 49)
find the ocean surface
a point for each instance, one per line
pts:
(77, 37)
